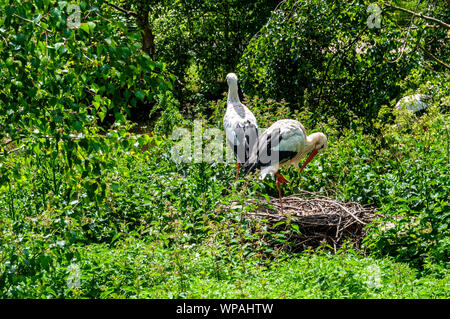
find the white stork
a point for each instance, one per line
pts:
(284, 143)
(414, 103)
(240, 124)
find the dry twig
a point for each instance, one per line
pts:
(319, 218)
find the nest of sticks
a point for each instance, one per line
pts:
(320, 220)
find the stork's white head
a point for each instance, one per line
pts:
(232, 80)
(319, 143)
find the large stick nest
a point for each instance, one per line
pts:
(319, 220)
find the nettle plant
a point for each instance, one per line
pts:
(69, 75)
(348, 55)
(415, 183)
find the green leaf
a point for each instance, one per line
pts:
(140, 95)
(85, 27)
(92, 26)
(101, 115)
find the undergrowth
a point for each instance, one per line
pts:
(160, 230)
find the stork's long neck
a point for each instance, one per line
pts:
(309, 144)
(311, 141)
(233, 96)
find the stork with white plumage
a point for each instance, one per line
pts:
(414, 103)
(240, 124)
(284, 143)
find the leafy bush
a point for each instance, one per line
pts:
(88, 209)
(326, 48)
(57, 83)
(57, 164)
(416, 195)
(207, 35)
(403, 171)
(146, 269)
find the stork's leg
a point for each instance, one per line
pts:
(280, 180)
(279, 194)
(238, 167)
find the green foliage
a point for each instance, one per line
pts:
(416, 196)
(208, 34)
(57, 83)
(143, 269)
(326, 48)
(88, 209)
(74, 68)
(402, 170)
(161, 230)
(57, 165)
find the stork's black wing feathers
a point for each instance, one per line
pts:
(264, 155)
(247, 136)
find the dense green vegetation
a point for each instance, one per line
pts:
(90, 208)
(327, 56)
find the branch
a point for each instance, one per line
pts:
(273, 11)
(411, 21)
(434, 57)
(130, 13)
(31, 21)
(335, 54)
(4, 39)
(420, 15)
(15, 150)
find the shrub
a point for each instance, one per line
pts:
(326, 48)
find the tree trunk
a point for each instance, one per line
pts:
(148, 38)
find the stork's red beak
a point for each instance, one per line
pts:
(310, 157)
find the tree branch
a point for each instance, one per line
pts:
(130, 13)
(15, 150)
(31, 21)
(411, 21)
(432, 56)
(4, 39)
(420, 15)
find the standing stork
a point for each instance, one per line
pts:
(240, 124)
(414, 103)
(284, 143)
